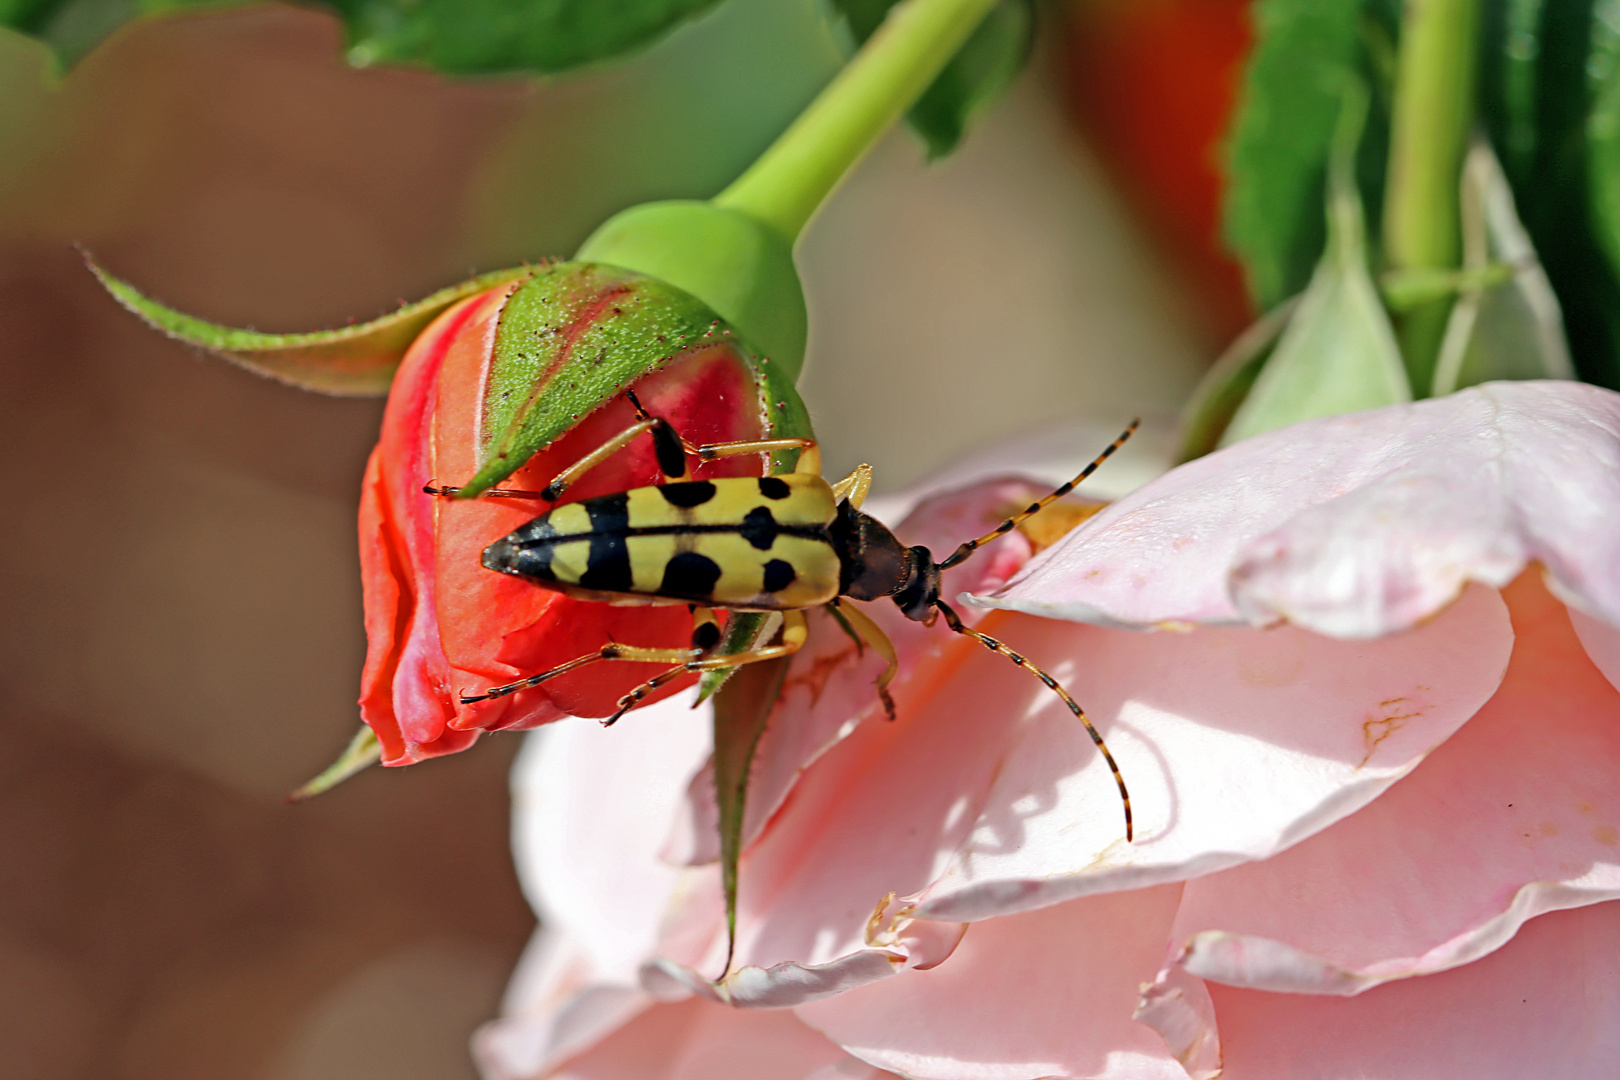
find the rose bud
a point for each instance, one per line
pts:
(510, 388)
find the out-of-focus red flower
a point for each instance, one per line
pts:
(438, 624)
(1154, 83)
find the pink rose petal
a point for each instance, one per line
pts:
(698, 1040)
(1358, 525)
(1545, 1005)
(1236, 745)
(1043, 994)
(1516, 815)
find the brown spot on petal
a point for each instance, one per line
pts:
(1607, 835)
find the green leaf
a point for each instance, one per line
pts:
(475, 37)
(460, 37)
(742, 711)
(1277, 151)
(362, 753)
(1511, 329)
(744, 632)
(984, 67)
(356, 360)
(1547, 99)
(1339, 352)
(572, 335)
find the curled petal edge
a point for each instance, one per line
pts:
(1258, 963)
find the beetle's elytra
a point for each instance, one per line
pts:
(772, 543)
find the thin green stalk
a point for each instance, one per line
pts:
(1429, 129)
(793, 177)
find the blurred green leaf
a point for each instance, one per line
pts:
(354, 360)
(1278, 146)
(1548, 103)
(984, 67)
(1339, 352)
(742, 711)
(460, 37)
(476, 37)
(1508, 329)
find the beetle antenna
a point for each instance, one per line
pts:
(954, 621)
(963, 553)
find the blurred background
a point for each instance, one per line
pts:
(182, 635)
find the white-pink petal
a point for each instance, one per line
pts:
(1044, 994)
(1358, 525)
(1236, 745)
(1516, 815)
(1545, 1005)
(697, 1040)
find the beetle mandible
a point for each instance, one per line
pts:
(781, 543)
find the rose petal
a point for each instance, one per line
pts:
(1236, 745)
(1358, 525)
(1178, 1006)
(1516, 815)
(1044, 994)
(1542, 1006)
(590, 807)
(1602, 644)
(698, 1040)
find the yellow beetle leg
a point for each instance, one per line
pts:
(794, 632)
(634, 653)
(861, 623)
(809, 453)
(854, 486)
(705, 636)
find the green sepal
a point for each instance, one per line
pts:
(356, 360)
(362, 753)
(572, 336)
(742, 711)
(1509, 325)
(736, 265)
(1338, 353)
(1227, 382)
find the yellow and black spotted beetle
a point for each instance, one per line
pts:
(780, 543)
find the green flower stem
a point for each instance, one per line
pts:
(1434, 108)
(792, 178)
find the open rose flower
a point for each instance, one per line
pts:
(1372, 744)
(438, 623)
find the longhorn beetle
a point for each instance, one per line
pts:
(768, 543)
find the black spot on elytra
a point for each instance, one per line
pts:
(774, 487)
(689, 574)
(779, 574)
(758, 528)
(607, 565)
(689, 494)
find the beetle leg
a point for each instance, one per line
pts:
(854, 486)
(794, 632)
(954, 621)
(610, 651)
(864, 629)
(809, 453)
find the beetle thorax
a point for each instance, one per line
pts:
(874, 564)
